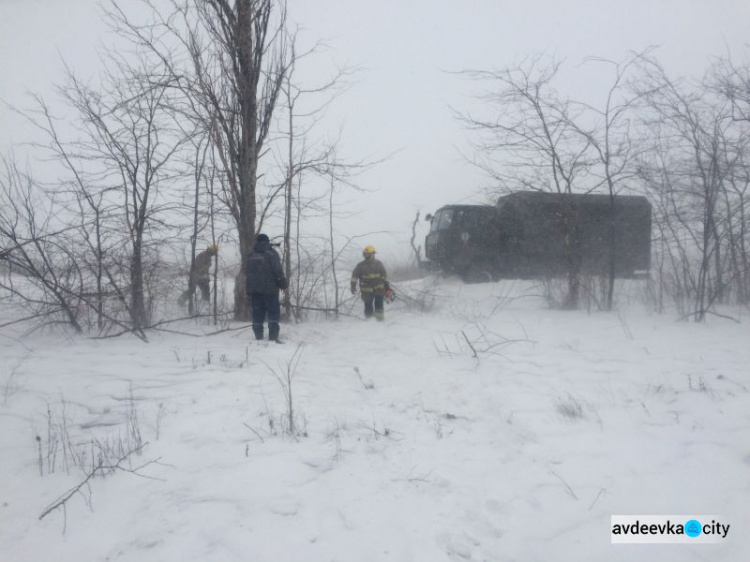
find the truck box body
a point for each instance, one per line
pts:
(534, 234)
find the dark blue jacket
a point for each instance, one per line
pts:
(263, 271)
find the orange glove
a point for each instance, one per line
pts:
(390, 295)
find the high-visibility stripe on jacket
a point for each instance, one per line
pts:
(371, 275)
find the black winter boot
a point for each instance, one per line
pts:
(273, 331)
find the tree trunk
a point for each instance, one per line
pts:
(137, 306)
(248, 75)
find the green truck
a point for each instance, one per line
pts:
(531, 234)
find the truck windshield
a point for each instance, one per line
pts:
(442, 221)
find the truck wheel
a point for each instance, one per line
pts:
(478, 273)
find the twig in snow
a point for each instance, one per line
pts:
(100, 467)
(474, 351)
(367, 385)
(560, 478)
(256, 433)
(596, 499)
(624, 324)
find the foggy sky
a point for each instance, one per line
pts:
(399, 102)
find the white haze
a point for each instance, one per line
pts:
(487, 428)
(398, 104)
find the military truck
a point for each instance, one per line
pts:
(531, 234)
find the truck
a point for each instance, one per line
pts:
(531, 234)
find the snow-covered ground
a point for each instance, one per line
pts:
(489, 428)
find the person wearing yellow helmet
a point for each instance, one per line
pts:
(373, 283)
(200, 274)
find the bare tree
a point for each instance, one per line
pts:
(128, 131)
(730, 80)
(89, 205)
(691, 163)
(304, 107)
(609, 136)
(416, 249)
(33, 247)
(527, 142)
(200, 218)
(229, 60)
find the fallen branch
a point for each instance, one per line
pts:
(33, 317)
(256, 433)
(704, 312)
(99, 468)
(561, 479)
(474, 351)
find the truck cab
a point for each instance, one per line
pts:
(463, 239)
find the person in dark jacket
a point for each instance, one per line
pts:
(264, 278)
(200, 274)
(373, 283)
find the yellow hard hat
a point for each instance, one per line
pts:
(369, 249)
(214, 248)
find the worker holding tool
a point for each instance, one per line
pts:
(373, 284)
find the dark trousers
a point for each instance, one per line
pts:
(266, 306)
(375, 299)
(203, 284)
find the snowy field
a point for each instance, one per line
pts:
(489, 428)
